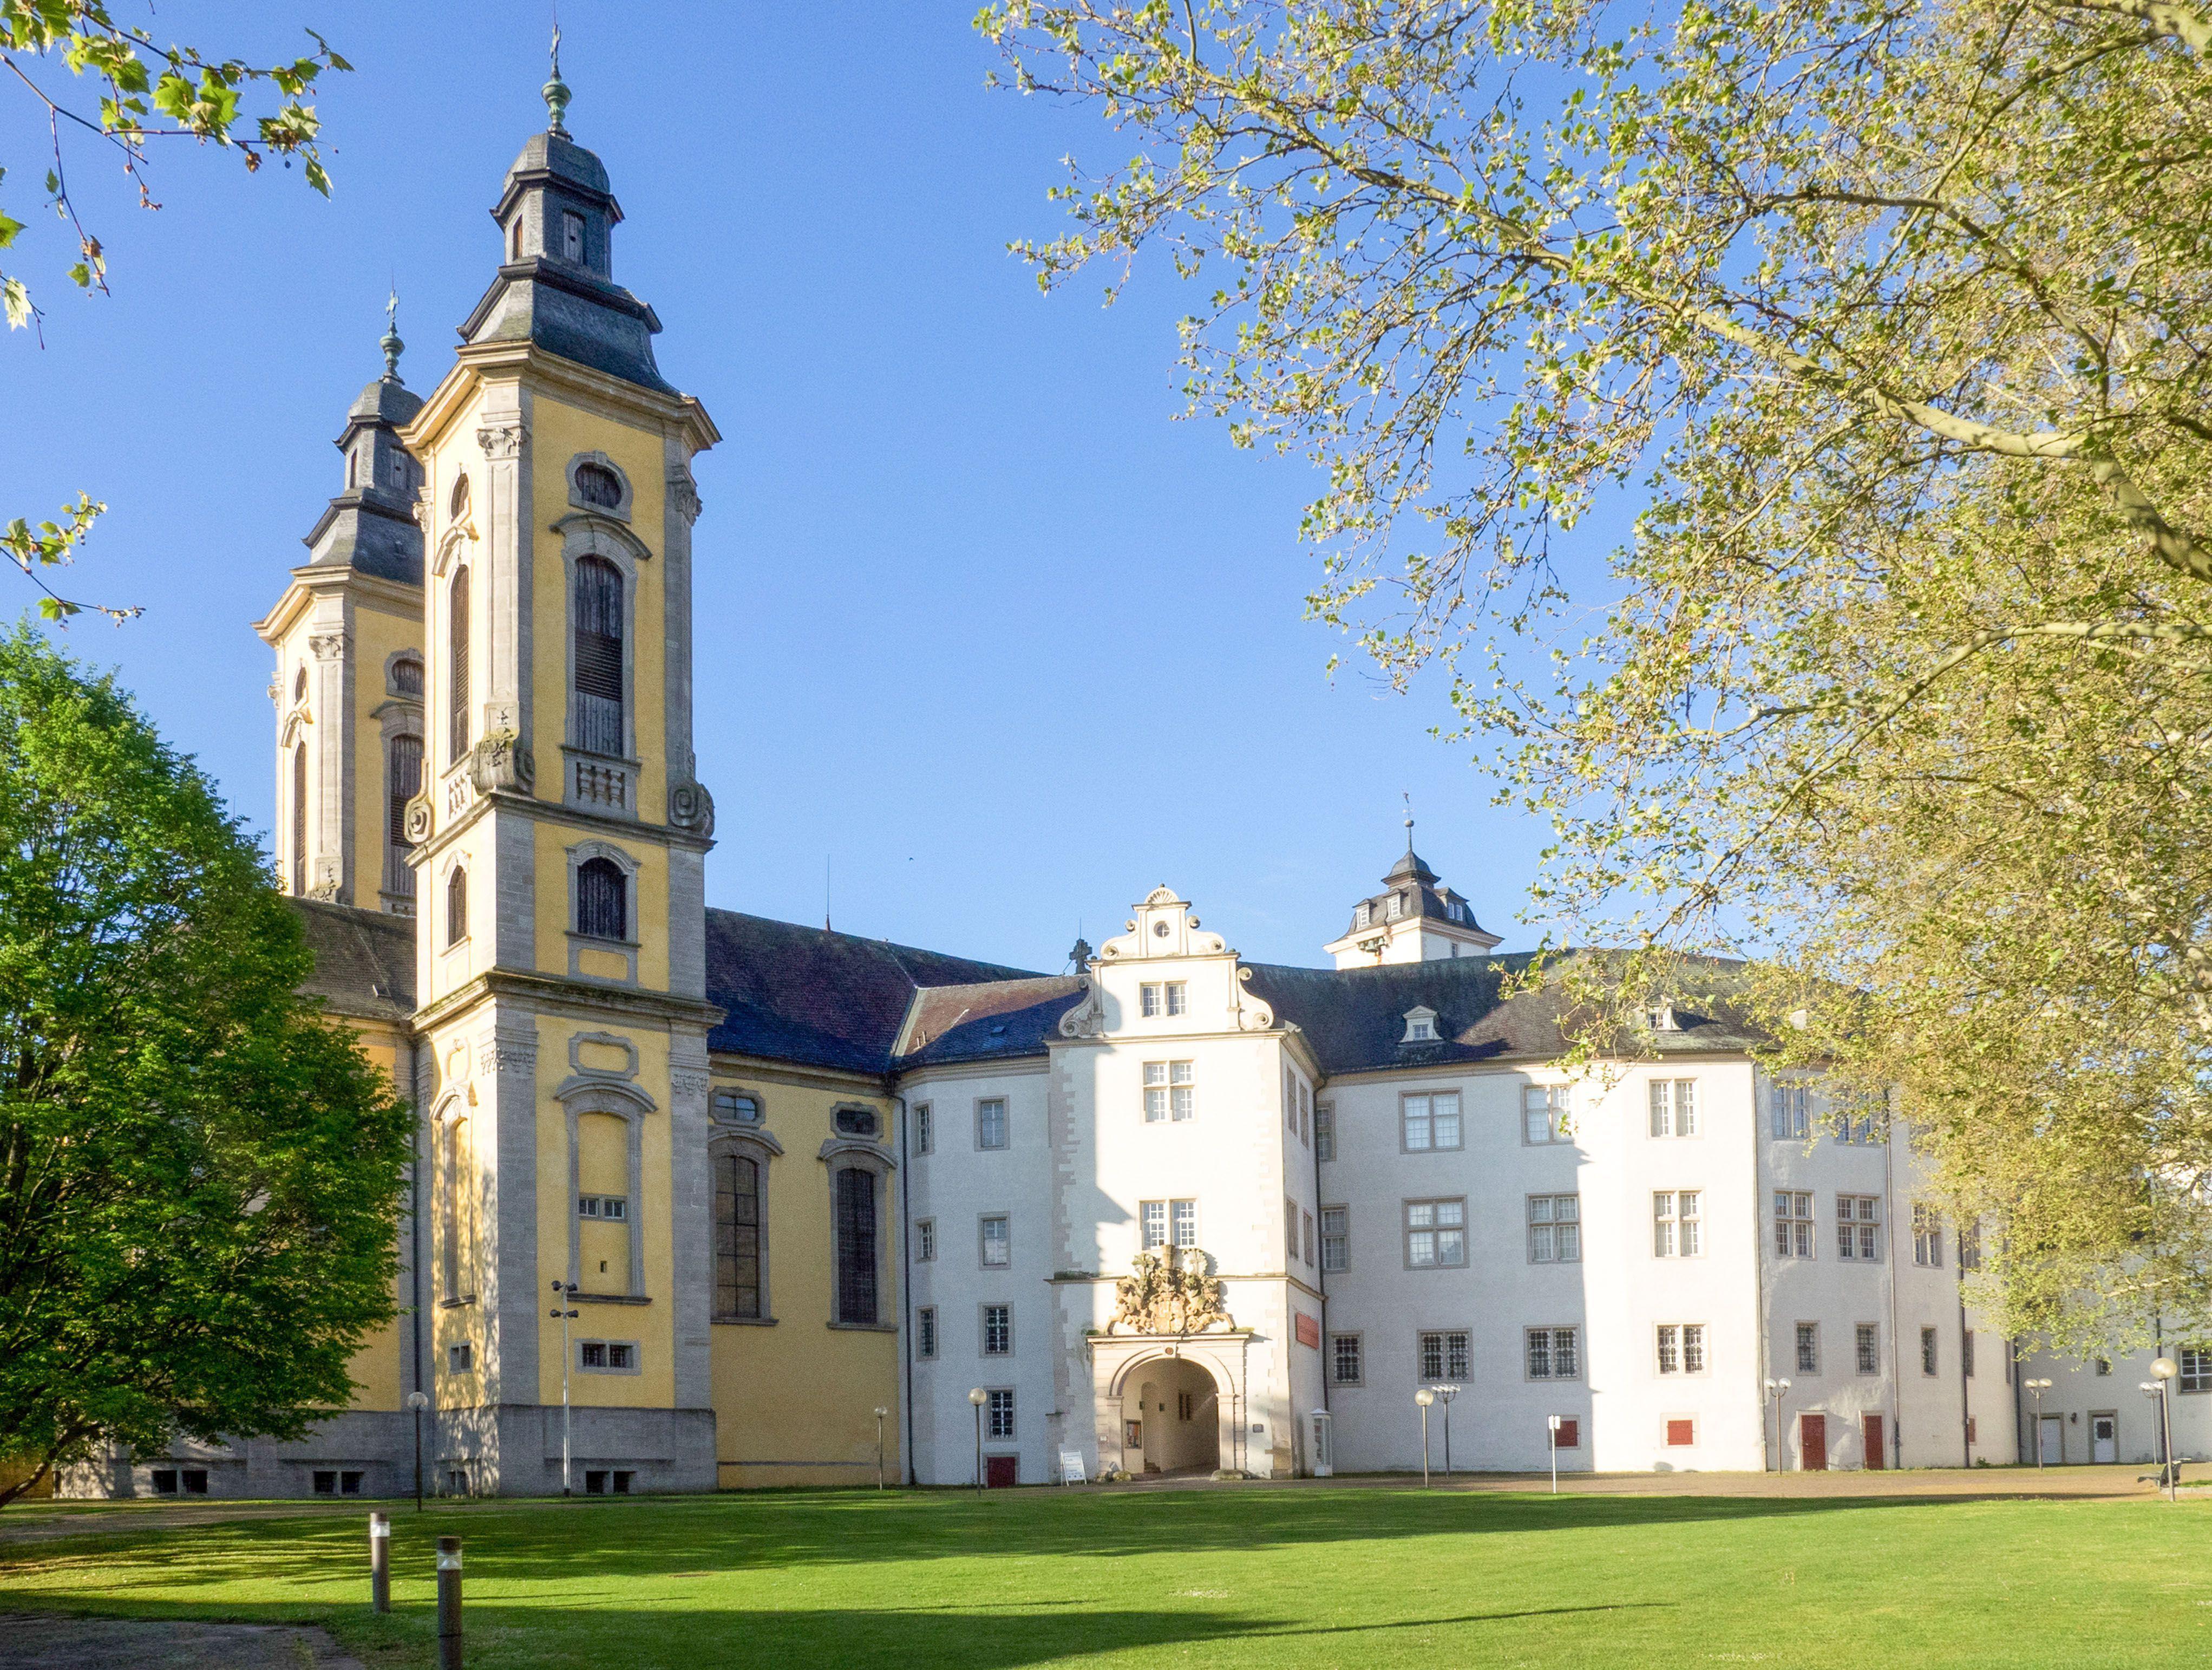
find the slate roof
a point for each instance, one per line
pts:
(816, 997)
(983, 1023)
(364, 960)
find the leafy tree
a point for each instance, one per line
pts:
(1891, 316)
(200, 1177)
(139, 91)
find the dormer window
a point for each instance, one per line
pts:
(1364, 915)
(1420, 1027)
(1659, 1017)
(572, 237)
(1397, 903)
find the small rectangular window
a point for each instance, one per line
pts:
(1336, 1238)
(998, 1331)
(1184, 1213)
(996, 1243)
(1927, 1236)
(1681, 1347)
(350, 1483)
(164, 1481)
(991, 1123)
(194, 1481)
(459, 1359)
(1928, 1352)
(1555, 1229)
(999, 1414)
(1153, 1216)
(1868, 1349)
(1858, 1227)
(1289, 1231)
(1795, 1236)
(612, 1209)
(925, 1240)
(593, 1354)
(1430, 1121)
(1546, 1113)
(1553, 1354)
(925, 1333)
(1308, 1220)
(1443, 1356)
(1436, 1233)
(2196, 1368)
(1790, 1107)
(1324, 1130)
(572, 237)
(1673, 1107)
(1178, 997)
(1344, 1360)
(1676, 1224)
(1148, 1001)
(1809, 1348)
(925, 1129)
(326, 1483)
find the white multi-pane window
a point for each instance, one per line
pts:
(1149, 1004)
(1311, 1251)
(1336, 1238)
(1544, 1114)
(1681, 1347)
(1790, 1105)
(1436, 1233)
(1809, 1348)
(997, 1242)
(1169, 998)
(609, 1207)
(998, 1331)
(1970, 1246)
(1928, 1352)
(1344, 1359)
(1170, 1089)
(1430, 1120)
(1868, 1349)
(1673, 1107)
(1305, 1111)
(1554, 1353)
(925, 1240)
(1794, 1237)
(1858, 1227)
(1443, 1356)
(1183, 1219)
(1178, 997)
(1862, 1129)
(1324, 1130)
(1153, 1215)
(991, 1123)
(1289, 1231)
(2196, 1368)
(1675, 1223)
(925, 1129)
(999, 1414)
(1927, 1236)
(1555, 1229)
(925, 1332)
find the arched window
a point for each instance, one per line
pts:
(403, 781)
(300, 684)
(598, 657)
(853, 1198)
(407, 676)
(602, 899)
(596, 484)
(456, 906)
(457, 505)
(457, 657)
(738, 1223)
(300, 816)
(451, 1216)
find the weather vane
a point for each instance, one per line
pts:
(556, 90)
(392, 345)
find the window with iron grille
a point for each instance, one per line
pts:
(599, 653)
(1809, 1348)
(856, 1246)
(1443, 1356)
(602, 899)
(403, 781)
(457, 665)
(1344, 1359)
(737, 1237)
(1681, 1347)
(925, 1332)
(1928, 1352)
(1868, 1349)
(999, 1414)
(1554, 1353)
(998, 1331)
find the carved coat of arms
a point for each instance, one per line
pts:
(1168, 1295)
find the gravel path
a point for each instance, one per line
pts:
(29, 1642)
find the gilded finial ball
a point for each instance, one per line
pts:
(556, 103)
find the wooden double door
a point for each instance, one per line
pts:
(1813, 1442)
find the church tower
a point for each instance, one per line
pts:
(348, 683)
(1415, 918)
(559, 844)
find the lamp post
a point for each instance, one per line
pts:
(2163, 1369)
(1444, 1395)
(2036, 1388)
(1424, 1398)
(1778, 1389)
(417, 1403)
(1553, 1421)
(977, 1398)
(564, 1295)
(880, 1413)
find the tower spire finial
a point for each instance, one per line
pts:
(556, 90)
(393, 346)
(1408, 797)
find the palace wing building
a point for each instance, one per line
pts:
(706, 1200)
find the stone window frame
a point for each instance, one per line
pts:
(613, 1093)
(758, 1100)
(400, 715)
(925, 1333)
(1359, 1357)
(450, 941)
(578, 856)
(1006, 1111)
(620, 510)
(983, 1309)
(754, 1142)
(450, 1220)
(841, 1154)
(636, 1357)
(592, 530)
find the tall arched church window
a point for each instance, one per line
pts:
(602, 899)
(300, 818)
(300, 684)
(403, 782)
(458, 506)
(854, 1206)
(457, 660)
(738, 1218)
(456, 906)
(598, 655)
(451, 1216)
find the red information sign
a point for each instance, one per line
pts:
(1309, 1330)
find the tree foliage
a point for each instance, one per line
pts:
(200, 1177)
(1890, 315)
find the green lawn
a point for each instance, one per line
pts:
(1239, 1578)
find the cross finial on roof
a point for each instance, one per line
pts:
(556, 90)
(393, 346)
(1408, 798)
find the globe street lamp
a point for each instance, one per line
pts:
(2038, 1387)
(1777, 1389)
(564, 1295)
(977, 1398)
(1424, 1398)
(880, 1413)
(1444, 1396)
(417, 1403)
(2163, 1369)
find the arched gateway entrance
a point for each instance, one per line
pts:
(1171, 1418)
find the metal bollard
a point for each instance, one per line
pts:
(449, 1603)
(379, 1563)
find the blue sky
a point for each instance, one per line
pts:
(980, 624)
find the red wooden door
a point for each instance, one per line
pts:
(1876, 1456)
(1813, 1442)
(1000, 1470)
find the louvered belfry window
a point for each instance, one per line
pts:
(599, 620)
(856, 1246)
(602, 899)
(404, 775)
(457, 639)
(299, 821)
(737, 1237)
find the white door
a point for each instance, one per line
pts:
(2104, 1437)
(2054, 1439)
